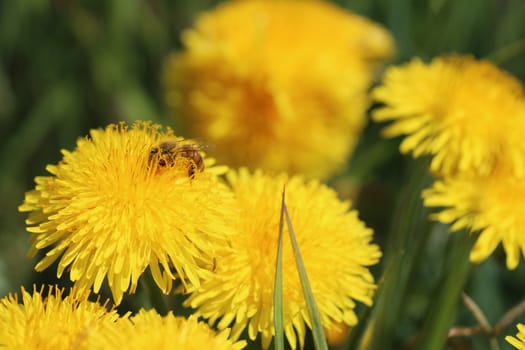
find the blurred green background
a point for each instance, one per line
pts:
(69, 66)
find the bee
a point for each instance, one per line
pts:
(168, 152)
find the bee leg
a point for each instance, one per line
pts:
(191, 170)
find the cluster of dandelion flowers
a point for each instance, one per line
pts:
(110, 210)
(519, 341)
(492, 205)
(149, 330)
(335, 246)
(249, 91)
(467, 113)
(52, 321)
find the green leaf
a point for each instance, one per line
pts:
(278, 288)
(407, 238)
(448, 294)
(317, 328)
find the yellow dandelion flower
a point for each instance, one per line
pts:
(468, 114)
(250, 91)
(519, 341)
(493, 205)
(149, 330)
(52, 322)
(335, 245)
(123, 201)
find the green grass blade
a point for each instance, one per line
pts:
(408, 236)
(317, 328)
(278, 287)
(442, 311)
(508, 52)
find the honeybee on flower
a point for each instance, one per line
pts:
(172, 152)
(105, 214)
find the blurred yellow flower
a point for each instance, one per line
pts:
(519, 341)
(337, 335)
(118, 204)
(468, 114)
(279, 85)
(493, 205)
(149, 330)
(335, 246)
(50, 322)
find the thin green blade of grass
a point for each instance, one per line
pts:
(442, 311)
(313, 311)
(403, 252)
(278, 287)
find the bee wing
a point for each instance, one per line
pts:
(200, 143)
